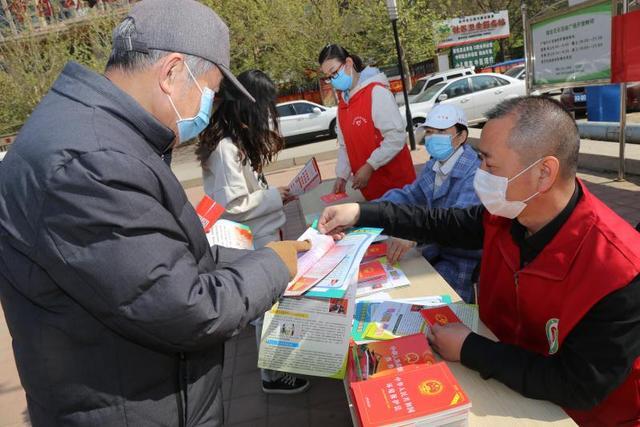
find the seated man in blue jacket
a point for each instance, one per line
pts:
(446, 181)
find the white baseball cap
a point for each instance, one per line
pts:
(443, 116)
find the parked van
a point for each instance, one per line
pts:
(426, 82)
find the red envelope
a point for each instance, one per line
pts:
(333, 197)
(209, 211)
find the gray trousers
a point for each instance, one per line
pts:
(267, 374)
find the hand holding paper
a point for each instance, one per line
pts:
(307, 179)
(288, 252)
(335, 219)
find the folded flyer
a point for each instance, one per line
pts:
(308, 336)
(328, 268)
(230, 235)
(307, 179)
(310, 268)
(336, 283)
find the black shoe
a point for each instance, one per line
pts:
(287, 384)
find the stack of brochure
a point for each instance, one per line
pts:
(328, 268)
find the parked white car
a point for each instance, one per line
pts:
(476, 95)
(304, 119)
(426, 82)
(518, 72)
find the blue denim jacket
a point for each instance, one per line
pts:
(455, 265)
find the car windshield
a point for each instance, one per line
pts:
(418, 87)
(513, 72)
(430, 92)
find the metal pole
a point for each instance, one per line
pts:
(527, 48)
(412, 138)
(623, 115)
(9, 17)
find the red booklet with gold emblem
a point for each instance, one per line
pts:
(371, 271)
(375, 251)
(441, 315)
(428, 394)
(379, 358)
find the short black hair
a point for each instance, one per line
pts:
(543, 127)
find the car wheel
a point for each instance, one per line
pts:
(417, 122)
(332, 129)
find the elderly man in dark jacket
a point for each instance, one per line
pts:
(117, 306)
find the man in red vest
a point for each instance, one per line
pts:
(560, 272)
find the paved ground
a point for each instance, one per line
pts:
(324, 404)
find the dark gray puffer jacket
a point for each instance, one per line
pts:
(117, 306)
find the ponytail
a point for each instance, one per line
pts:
(334, 51)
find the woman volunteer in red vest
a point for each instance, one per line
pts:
(371, 133)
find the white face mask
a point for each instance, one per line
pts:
(492, 191)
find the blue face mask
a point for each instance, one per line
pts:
(341, 81)
(440, 146)
(192, 127)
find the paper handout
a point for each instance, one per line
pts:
(328, 268)
(230, 235)
(307, 179)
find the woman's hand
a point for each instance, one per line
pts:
(340, 185)
(361, 178)
(396, 248)
(285, 195)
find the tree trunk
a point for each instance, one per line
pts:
(407, 70)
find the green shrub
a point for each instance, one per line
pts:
(29, 64)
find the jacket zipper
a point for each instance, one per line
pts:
(516, 278)
(182, 389)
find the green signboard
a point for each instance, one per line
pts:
(473, 55)
(572, 47)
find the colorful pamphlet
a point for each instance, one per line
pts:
(309, 262)
(307, 179)
(392, 319)
(362, 319)
(209, 211)
(335, 284)
(308, 336)
(230, 235)
(427, 395)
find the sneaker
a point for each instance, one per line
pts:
(287, 384)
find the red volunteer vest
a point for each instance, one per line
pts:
(361, 138)
(595, 253)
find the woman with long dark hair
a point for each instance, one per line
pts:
(242, 138)
(370, 129)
